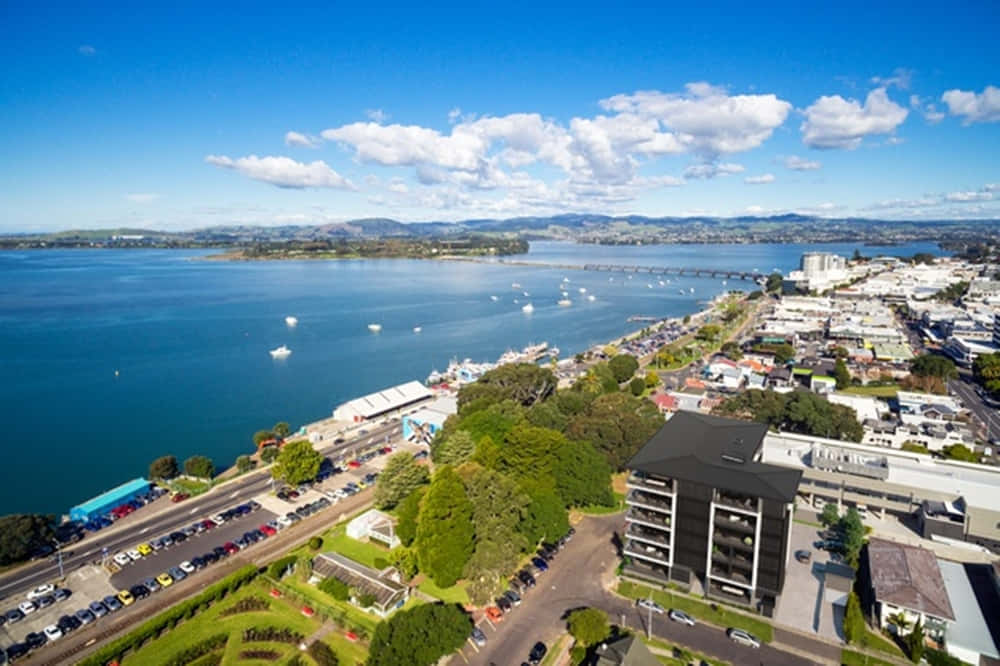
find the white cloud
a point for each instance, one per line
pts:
(796, 163)
(711, 170)
(835, 122)
(890, 204)
(376, 115)
(962, 197)
(142, 197)
(900, 78)
(991, 187)
(300, 140)
(283, 171)
(762, 179)
(929, 110)
(87, 50)
(974, 107)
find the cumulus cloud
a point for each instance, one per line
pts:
(974, 107)
(796, 163)
(835, 122)
(900, 78)
(762, 179)
(711, 170)
(87, 50)
(283, 171)
(376, 115)
(142, 197)
(299, 140)
(973, 195)
(927, 109)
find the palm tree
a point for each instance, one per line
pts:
(900, 621)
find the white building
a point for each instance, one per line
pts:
(819, 271)
(374, 525)
(382, 402)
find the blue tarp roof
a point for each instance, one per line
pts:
(102, 500)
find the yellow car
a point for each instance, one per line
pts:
(362, 484)
(126, 598)
(144, 549)
(165, 580)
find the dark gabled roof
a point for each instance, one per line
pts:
(717, 452)
(359, 577)
(628, 651)
(908, 576)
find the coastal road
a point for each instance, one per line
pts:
(136, 528)
(579, 577)
(987, 415)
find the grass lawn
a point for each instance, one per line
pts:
(851, 658)
(352, 613)
(807, 522)
(663, 645)
(873, 391)
(190, 486)
(874, 641)
(598, 510)
(456, 593)
(555, 650)
(282, 614)
(359, 551)
(720, 616)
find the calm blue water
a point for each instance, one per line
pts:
(190, 340)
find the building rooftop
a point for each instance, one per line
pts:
(627, 651)
(124, 490)
(718, 452)
(908, 576)
(969, 630)
(358, 576)
(387, 400)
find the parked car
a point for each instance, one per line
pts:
(62, 594)
(139, 591)
(98, 609)
(151, 585)
(540, 564)
(36, 639)
(494, 614)
(16, 651)
(680, 616)
(220, 552)
(121, 559)
(14, 616)
(513, 597)
(111, 603)
(526, 578)
(41, 591)
(46, 601)
(478, 637)
(179, 497)
(231, 547)
(53, 632)
(27, 607)
(537, 653)
(126, 598)
(803, 556)
(165, 580)
(144, 549)
(176, 573)
(504, 604)
(742, 637)
(187, 567)
(650, 605)
(85, 616)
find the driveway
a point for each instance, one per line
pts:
(577, 578)
(802, 606)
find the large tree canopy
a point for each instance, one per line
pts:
(445, 534)
(407, 513)
(799, 411)
(617, 424)
(545, 517)
(401, 476)
(933, 365)
(22, 534)
(525, 383)
(623, 366)
(297, 462)
(582, 476)
(164, 467)
(419, 636)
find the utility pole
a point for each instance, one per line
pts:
(62, 574)
(649, 621)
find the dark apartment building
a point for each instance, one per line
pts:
(702, 505)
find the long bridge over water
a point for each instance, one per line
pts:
(678, 270)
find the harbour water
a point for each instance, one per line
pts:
(111, 358)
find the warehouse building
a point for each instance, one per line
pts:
(103, 503)
(382, 403)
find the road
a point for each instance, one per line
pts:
(541, 616)
(988, 416)
(135, 528)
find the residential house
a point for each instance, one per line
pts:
(625, 651)
(384, 587)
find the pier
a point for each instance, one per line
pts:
(689, 271)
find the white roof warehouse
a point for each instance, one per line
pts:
(382, 402)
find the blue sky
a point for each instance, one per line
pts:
(190, 117)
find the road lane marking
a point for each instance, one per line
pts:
(234, 493)
(193, 511)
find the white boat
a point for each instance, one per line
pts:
(565, 279)
(515, 285)
(723, 283)
(417, 329)
(662, 283)
(291, 321)
(591, 297)
(680, 291)
(565, 294)
(565, 302)
(516, 301)
(692, 290)
(529, 308)
(649, 285)
(527, 294)
(583, 290)
(281, 352)
(494, 298)
(374, 328)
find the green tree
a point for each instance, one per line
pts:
(548, 414)
(23, 534)
(901, 621)
(322, 654)
(589, 626)
(840, 352)
(783, 352)
(366, 600)
(582, 476)
(732, 351)
(915, 643)
(952, 292)
(687, 319)
(529, 452)
(545, 517)
(282, 429)
(854, 621)
(774, 282)
(623, 366)
(525, 383)
(986, 370)
(652, 379)
(932, 365)
(708, 333)
(244, 464)
(457, 448)
(164, 467)
(407, 514)
(960, 452)
(419, 636)
(269, 454)
(297, 462)
(617, 424)
(400, 477)
(199, 466)
(598, 379)
(854, 535)
(404, 560)
(445, 534)
(335, 587)
(262, 436)
(841, 374)
(637, 386)
(830, 515)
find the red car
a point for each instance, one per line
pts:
(268, 530)
(354, 464)
(208, 524)
(179, 497)
(231, 547)
(387, 449)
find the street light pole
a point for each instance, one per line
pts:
(59, 557)
(649, 621)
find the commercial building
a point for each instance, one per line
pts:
(383, 402)
(423, 424)
(818, 271)
(701, 503)
(103, 503)
(388, 594)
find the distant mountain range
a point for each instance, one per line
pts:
(570, 226)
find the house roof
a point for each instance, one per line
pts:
(358, 576)
(718, 452)
(628, 651)
(908, 576)
(665, 401)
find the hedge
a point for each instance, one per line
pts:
(246, 605)
(322, 654)
(169, 618)
(189, 654)
(278, 568)
(271, 635)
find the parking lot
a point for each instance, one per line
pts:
(801, 606)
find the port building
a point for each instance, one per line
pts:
(103, 503)
(382, 403)
(421, 426)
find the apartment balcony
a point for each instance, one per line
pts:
(650, 484)
(734, 523)
(654, 537)
(648, 501)
(648, 518)
(732, 559)
(733, 577)
(646, 571)
(736, 501)
(728, 591)
(744, 544)
(646, 552)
